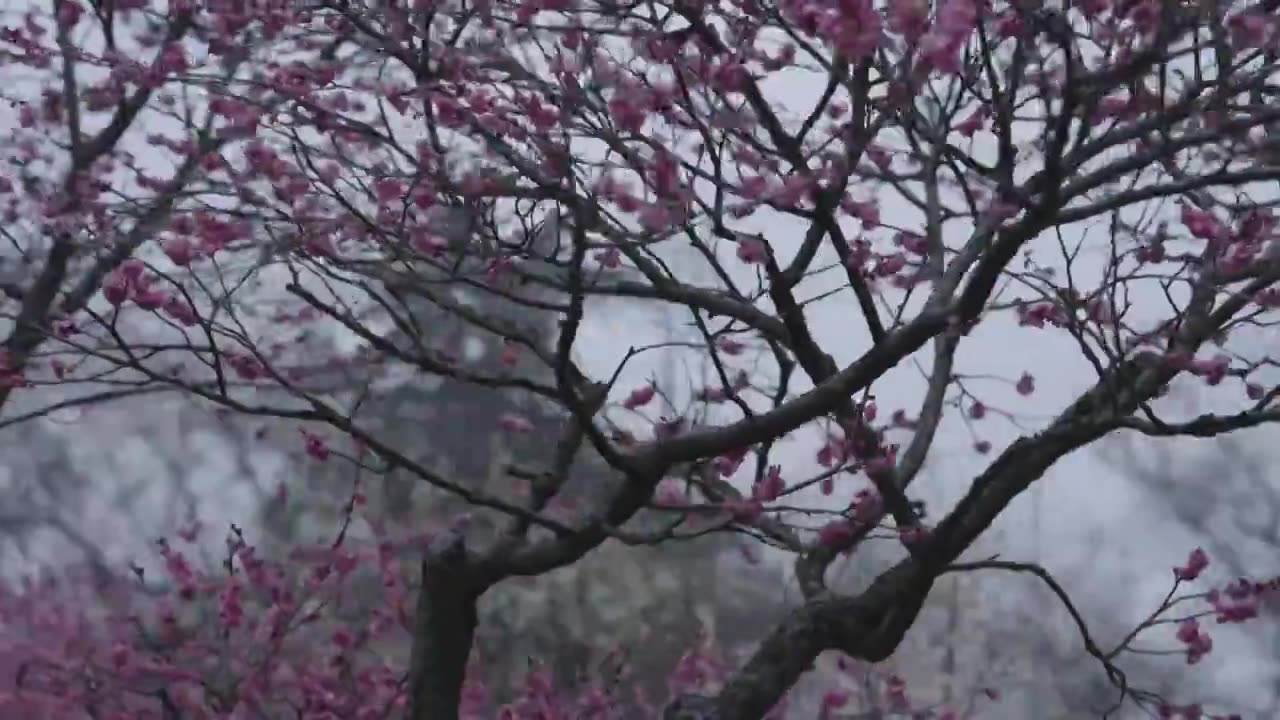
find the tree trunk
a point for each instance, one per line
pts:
(868, 627)
(444, 626)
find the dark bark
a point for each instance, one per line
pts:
(444, 626)
(871, 625)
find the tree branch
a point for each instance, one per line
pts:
(1203, 426)
(1114, 674)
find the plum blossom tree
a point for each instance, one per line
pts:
(198, 190)
(1234, 520)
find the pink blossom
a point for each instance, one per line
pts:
(1198, 643)
(515, 423)
(855, 29)
(793, 191)
(895, 689)
(1041, 313)
(1201, 223)
(771, 486)
(753, 251)
(315, 446)
(941, 53)
(754, 187)
(941, 47)
(1010, 24)
(510, 355)
(866, 506)
(974, 121)
(711, 395)
(890, 264)
(908, 18)
(867, 213)
(428, 243)
(729, 462)
(116, 288)
(69, 13)
(627, 114)
(834, 452)
(26, 116)
(670, 493)
(148, 298)
(132, 269)
(388, 189)
(1237, 602)
(640, 397)
(1150, 253)
(1250, 29)
(180, 250)
(246, 367)
(910, 536)
(656, 217)
(181, 311)
(832, 700)
(172, 59)
(880, 157)
(1196, 563)
(913, 243)
(1213, 370)
(835, 533)
(610, 258)
(1026, 384)
(728, 345)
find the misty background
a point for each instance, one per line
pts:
(99, 483)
